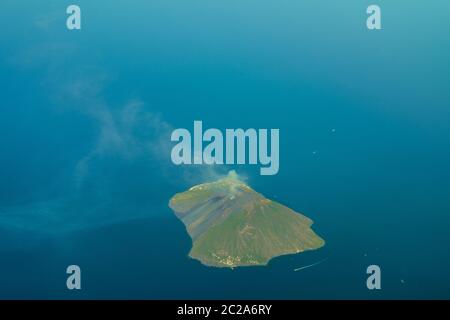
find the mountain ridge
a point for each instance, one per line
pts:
(232, 225)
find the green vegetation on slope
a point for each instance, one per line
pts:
(232, 225)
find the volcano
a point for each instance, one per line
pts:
(232, 225)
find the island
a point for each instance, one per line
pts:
(232, 225)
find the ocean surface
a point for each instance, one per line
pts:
(86, 117)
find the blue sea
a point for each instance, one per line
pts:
(86, 117)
